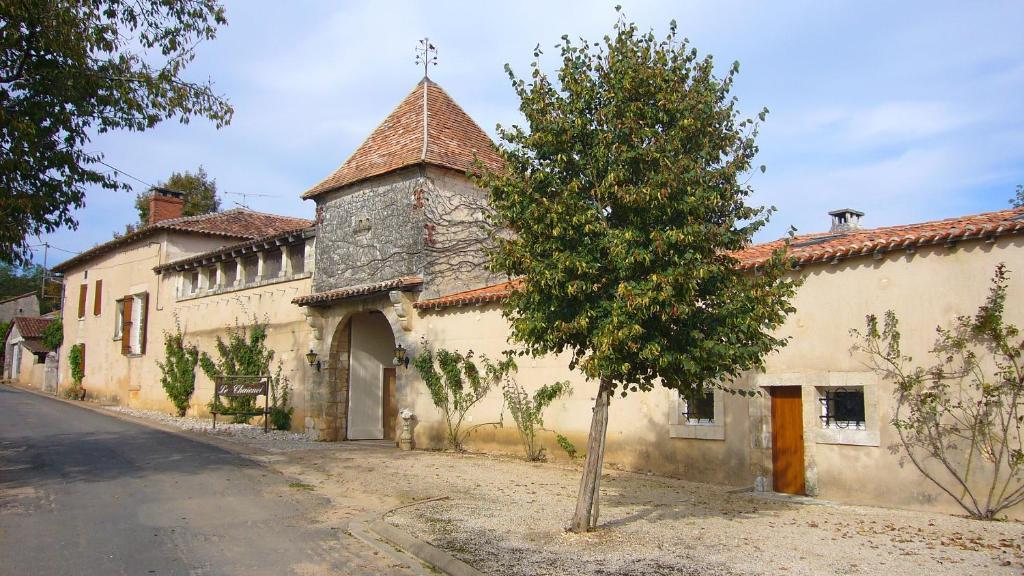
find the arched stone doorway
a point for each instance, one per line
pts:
(362, 379)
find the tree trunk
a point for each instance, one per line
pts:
(586, 503)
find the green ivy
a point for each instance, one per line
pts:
(456, 384)
(76, 361)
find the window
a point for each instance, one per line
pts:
(118, 317)
(230, 273)
(83, 296)
(699, 410)
(97, 299)
(700, 418)
(842, 408)
(193, 282)
(40, 357)
(134, 312)
(297, 256)
(271, 264)
(250, 267)
(211, 278)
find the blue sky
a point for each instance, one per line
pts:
(907, 111)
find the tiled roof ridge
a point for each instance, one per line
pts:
(868, 241)
(19, 297)
(182, 225)
(453, 140)
(999, 222)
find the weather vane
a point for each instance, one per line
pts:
(426, 54)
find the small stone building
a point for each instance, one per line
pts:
(23, 305)
(25, 355)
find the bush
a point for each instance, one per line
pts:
(456, 384)
(528, 413)
(961, 417)
(178, 371)
(53, 334)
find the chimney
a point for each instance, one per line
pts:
(165, 204)
(845, 220)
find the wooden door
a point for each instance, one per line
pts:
(787, 440)
(390, 403)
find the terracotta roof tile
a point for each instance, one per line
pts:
(826, 247)
(238, 223)
(492, 293)
(31, 326)
(453, 138)
(322, 298)
(817, 248)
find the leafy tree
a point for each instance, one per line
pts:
(178, 370)
(200, 194)
(960, 419)
(528, 413)
(456, 384)
(53, 334)
(1018, 201)
(624, 197)
(70, 70)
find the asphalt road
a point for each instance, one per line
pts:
(85, 493)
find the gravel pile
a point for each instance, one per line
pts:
(277, 440)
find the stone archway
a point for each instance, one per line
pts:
(335, 416)
(361, 402)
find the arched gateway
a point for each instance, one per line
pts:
(362, 378)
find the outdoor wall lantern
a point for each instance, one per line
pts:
(311, 358)
(401, 356)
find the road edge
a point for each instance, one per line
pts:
(374, 521)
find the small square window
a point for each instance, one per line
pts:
(700, 409)
(842, 407)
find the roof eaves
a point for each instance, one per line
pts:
(331, 296)
(226, 251)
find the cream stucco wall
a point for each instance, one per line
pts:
(925, 288)
(131, 380)
(205, 317)
(639, 434)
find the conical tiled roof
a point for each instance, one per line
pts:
(453, 138)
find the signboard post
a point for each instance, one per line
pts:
(241, 387)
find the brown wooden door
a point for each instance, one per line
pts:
(787, 440)
(390, 404)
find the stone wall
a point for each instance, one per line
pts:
(370, 232)
(415, 222)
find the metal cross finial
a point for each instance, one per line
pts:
(426, 54)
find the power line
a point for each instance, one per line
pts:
(119, 171)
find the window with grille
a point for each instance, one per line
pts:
(842, 407)
(699, 409)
